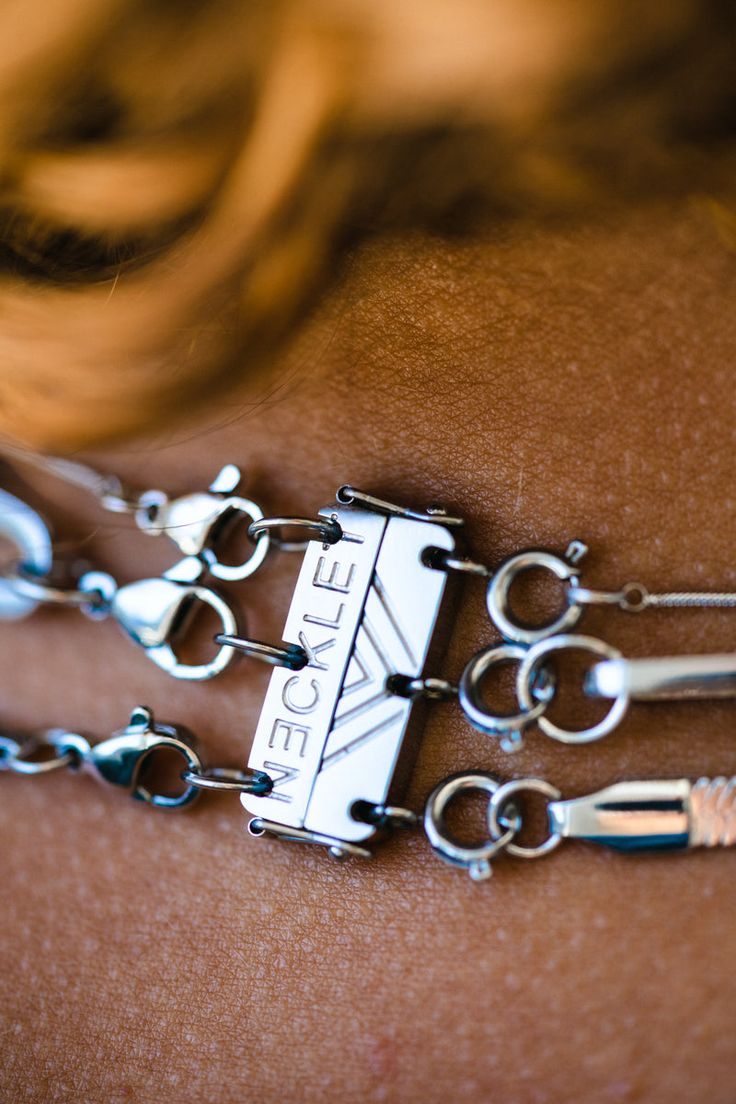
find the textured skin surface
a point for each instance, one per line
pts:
(548, 381)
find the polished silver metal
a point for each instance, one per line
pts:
(576, 551)
(19, 757)
(325, 530)
(40, 591)
(121, 759)
(229, 780)
(385, 816)
(29, 537)
(664, 679)
(497, 597)
(109, 491)
(434, 515)
(441, 561)
(509, 727)
(9, 751)
(336, 848)
(652, 815)
(426, 689)
(649, 815)
(635, 597)
(630, 598)
(197, 523)
(332, 734)
(475, 858)
(627, 816)
(502, 799)
(155, 613)
(536, 659)
(291, 656)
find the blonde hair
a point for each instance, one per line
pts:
(177, 174)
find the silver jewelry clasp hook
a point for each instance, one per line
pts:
(154, 612)
(197, 522)
(121, 759)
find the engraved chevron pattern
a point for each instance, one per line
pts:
(365, 710)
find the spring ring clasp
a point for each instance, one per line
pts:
(497, 597)
(503, 818)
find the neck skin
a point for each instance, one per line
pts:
(547, 382)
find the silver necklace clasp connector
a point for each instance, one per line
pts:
(197, 523)
(121, 760)
(338, 729)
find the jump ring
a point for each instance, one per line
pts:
(325, 530)
(291, 656)
(634, 598)
(499, 800)
(9, 751)
(236, 507)
(227, 778)
(442, 560)
(526, 677)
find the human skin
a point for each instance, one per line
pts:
(548, 380)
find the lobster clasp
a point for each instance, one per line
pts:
(196, 523)
(156, 612)
(121, 759)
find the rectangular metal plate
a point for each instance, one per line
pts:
(299, 705)
(331, 734)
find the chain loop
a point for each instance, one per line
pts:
(503, 818)
(326, 530)
(500, 800)
(229, 779)
(18, 758)
(39, 590)
(291, 656)
(528, 673)
(441, 560)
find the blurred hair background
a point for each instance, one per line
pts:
(180, 177)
